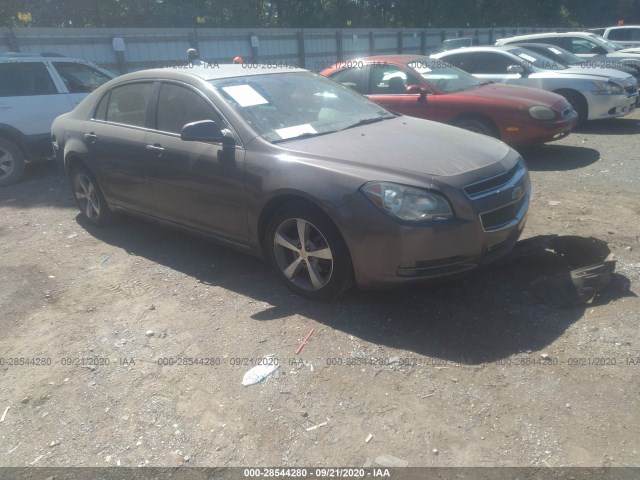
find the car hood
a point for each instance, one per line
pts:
(404, 145)
(633, 50)
(579, 72)
(514, 94)
(618, 76)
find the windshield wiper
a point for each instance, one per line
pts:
(367, 121)
(303, 135)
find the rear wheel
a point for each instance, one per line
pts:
(89, 197)
(308, 253)
(476, 125)
(12, 164)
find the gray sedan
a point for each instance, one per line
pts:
(329, 187)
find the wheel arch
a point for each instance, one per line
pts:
(479, 117)
(568, 93)
(15, 136)
(277, 202)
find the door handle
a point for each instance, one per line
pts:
(5, 106)
(90, 137)
(155, 148)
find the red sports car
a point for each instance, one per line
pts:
(432, 89)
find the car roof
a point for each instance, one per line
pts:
(30, 57)
(209, 71)
(396, 58)
(484, 48)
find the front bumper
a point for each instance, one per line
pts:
(610, 106)
(385, 251)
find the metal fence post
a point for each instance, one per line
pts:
(400, 41)
(254, 48)
(12, 40)
(423, 42)
(372, 43)
(339, 45)
(301, 53)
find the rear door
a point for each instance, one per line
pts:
(115, 137)
(29, 102)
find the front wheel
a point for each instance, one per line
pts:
(579, 104)
(89, 197)
(477, 126)
(12, 164)
(308, 253)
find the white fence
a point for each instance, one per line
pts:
(313, 48)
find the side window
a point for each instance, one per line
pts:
(80, 78)
(581, 45)
(492, 63)
(128, 104)
(101, 111)
(24, 79)
(464, 61)
(350, 77)
(390, 80)
(178, 106)
(563, 42)
(620, 34)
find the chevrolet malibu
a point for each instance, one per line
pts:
(432, 89)
(327, 186)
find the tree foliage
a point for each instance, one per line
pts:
(320, 13)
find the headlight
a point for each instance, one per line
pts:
(608, 88)
(542, 113)
(408, 203)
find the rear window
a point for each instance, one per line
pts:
(80, 78)
(19, 79)
(625, 34)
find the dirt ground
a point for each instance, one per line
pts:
(136, 340)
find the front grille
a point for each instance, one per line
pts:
(501, 217)
(437, 268)
(494, 184)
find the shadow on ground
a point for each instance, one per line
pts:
(612, 126)
(485, 316)
(42, 185)
(556, 158)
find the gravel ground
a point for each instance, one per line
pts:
(141, 337)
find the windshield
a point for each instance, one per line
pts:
(533, 59)
(284, 106)
(608, 44)
(564, 56)
(443, 76)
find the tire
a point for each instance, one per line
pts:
(476, 125)
(89, 197)
(579, 104)
(322, 270)
(11, 162)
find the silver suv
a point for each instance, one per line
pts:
(34, 90)
(628, 35)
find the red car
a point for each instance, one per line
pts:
(432, 89)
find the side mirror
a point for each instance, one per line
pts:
(598, 50)
(202, 131)
(417, 90)
(515, 69)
